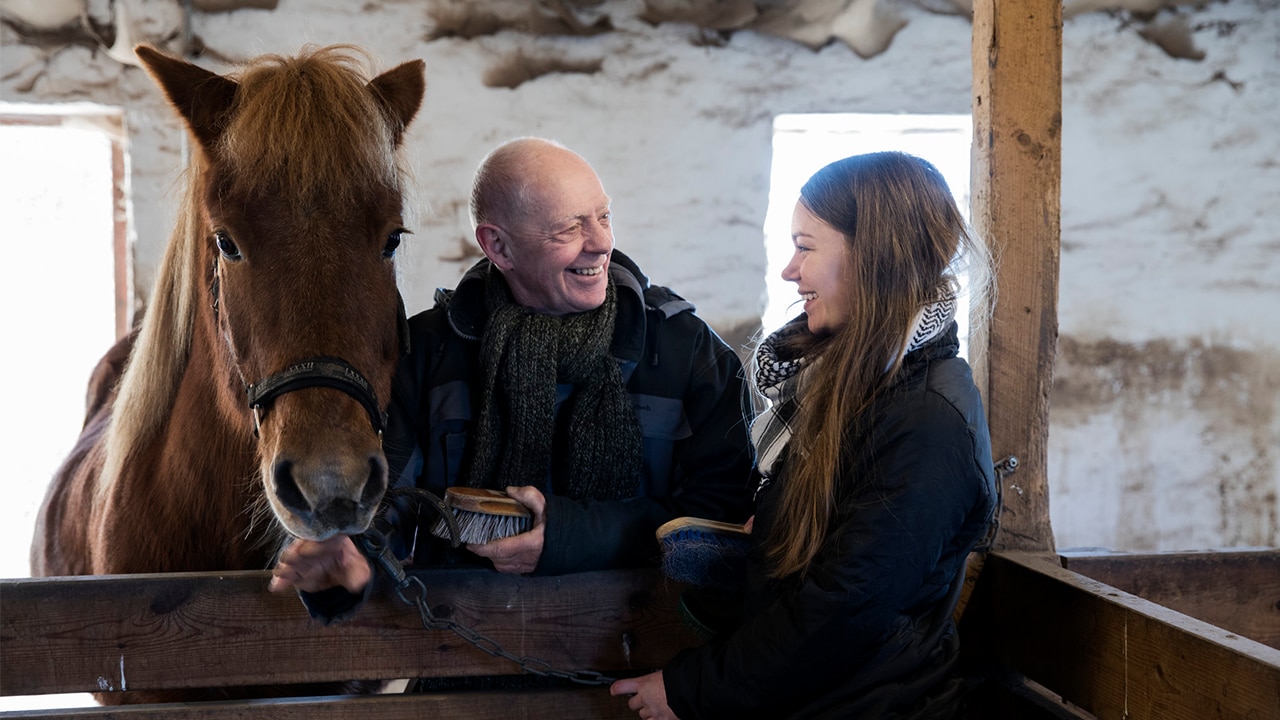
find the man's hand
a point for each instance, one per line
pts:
(314, 566)
(518, 553)
(648, 696)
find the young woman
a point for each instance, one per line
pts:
(877, 468)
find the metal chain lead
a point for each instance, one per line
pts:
(412, 591)
(1004, 468)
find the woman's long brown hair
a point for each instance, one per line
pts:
(907, 241)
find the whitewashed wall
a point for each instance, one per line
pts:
(1165, 424)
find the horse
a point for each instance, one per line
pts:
(250, 399)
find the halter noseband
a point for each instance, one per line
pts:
(330, 372)
(317, 372)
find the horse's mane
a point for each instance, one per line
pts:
(300, 125)
(159, 356)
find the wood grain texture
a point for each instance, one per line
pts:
(90, 634)
(1016, 206)
(1235, 590)
(578, 704)
(1111, 653)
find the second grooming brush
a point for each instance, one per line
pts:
(704, 552)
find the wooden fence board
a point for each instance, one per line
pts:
(1236, 590)
(209, 630)
(1113, 654)
(583, 704)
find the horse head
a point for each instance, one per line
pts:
(295, 214)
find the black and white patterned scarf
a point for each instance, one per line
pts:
(778, 378)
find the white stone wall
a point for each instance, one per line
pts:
(1165, 427)
(1165, 419)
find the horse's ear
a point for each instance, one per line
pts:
(400, 90)
(202, 98)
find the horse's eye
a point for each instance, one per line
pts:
(393, 242)
(226, 245)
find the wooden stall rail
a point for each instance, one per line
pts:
(1077, 647)
(1091, 650)
(1236, 590)
(132, 632)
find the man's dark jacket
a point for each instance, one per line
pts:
(685, 384)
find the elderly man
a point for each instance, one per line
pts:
(556, 372)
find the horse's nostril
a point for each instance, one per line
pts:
(376, 485)
(287, 488)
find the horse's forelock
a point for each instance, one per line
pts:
(312, 123)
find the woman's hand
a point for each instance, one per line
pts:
(519, 553)
(314, 566)
(648, 696)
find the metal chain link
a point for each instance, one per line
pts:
(1004, 468)
(412, 591)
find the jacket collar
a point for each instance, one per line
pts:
(467, 313)
(945, 345)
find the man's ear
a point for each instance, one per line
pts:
(496, 247)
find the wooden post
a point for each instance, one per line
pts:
(1016, 203)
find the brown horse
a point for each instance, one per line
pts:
(255, 385)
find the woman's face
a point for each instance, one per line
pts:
(817, 269)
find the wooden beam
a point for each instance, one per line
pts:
(1013, 695)
(211, 630)
(583, 704)
(1110, 653)
(1016, 203)
(1236, 590)
(217, 6)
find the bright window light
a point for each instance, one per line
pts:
(57, 286)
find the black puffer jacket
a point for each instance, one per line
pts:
(867, 633)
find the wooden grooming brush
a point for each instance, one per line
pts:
(483, 515)
(704, 552)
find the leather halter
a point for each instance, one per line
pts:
(327, 372)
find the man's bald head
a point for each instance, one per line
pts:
(504, 189)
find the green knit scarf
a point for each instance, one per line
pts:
(524, 354)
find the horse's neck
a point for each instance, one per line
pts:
(196, 482)
(211, 445)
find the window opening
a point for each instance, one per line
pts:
(63, 287)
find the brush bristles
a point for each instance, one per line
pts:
(699, 556)
(478, 528)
